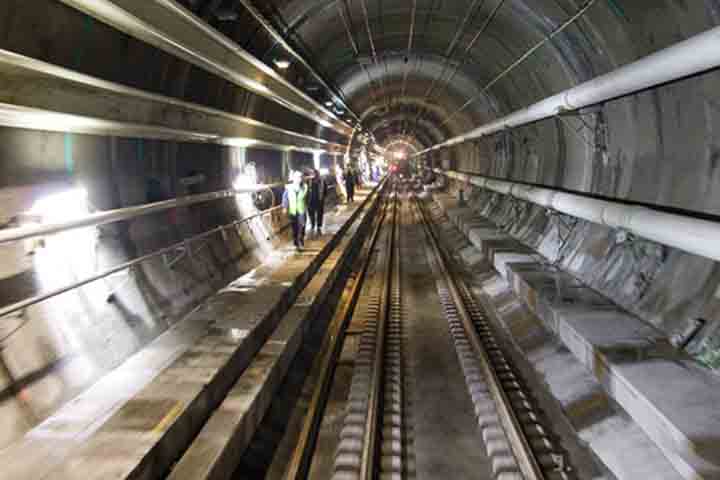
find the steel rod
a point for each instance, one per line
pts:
(23, 304)
(126, 213)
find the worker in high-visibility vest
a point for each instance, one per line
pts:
(295, 204)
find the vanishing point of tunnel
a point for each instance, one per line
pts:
(360, 239)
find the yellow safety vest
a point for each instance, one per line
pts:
(297, 199)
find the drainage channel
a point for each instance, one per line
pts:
(516, 435)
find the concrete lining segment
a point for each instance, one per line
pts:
(169, 26)
(177, 384)
(633, 361)
(577, 404)
(39, 95)
(216, 451)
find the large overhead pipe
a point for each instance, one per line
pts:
(169, 26)
(692, 235)
(694, 55)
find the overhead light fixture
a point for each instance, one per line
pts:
(329, 103)
(282, 63)
(59, 207)
(240, 142)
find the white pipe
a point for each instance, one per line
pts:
(692, 235)
(689, 57)
(110, 216)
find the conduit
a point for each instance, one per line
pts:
(692, 235)
(689, 57)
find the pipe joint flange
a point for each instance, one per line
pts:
(623, 236)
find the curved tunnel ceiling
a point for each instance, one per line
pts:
(414, 56)
(499, 56)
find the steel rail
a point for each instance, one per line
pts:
(527, 462)
(300, 463)
(28, 302)
(370, 448)
(169, 26)
(119, 214)
(280, 40)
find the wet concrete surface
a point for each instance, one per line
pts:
(447, 442)
(158, 383)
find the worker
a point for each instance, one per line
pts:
(350, 182)
(295, 204)
(316, 203)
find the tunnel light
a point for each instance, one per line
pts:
(247, 178)
(329, 104)
(399, 155)
(282, 63)
(241, 142)
(63, 206)
(59, 258)
(244, 181)
(254, 85)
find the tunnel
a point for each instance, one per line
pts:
(360, 239)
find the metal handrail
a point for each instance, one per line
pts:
(126, 213)
(23, 304)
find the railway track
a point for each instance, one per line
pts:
(516, 435)
(373, 441)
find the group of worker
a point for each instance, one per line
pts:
(303, 199)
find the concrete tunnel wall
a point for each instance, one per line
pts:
(54, 350)
(51, 352)
(659, 147)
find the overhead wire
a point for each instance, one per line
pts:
(581, 11)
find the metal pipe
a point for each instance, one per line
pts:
(28, 302)
(44, 96)
(169, 26)
(111, 216)
(692, 235)
(697, 54)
